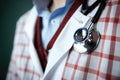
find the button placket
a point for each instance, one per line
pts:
(53, 21)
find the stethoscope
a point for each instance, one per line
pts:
(88, 38)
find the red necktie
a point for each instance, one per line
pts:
(42, 53)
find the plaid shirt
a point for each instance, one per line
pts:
(64, 63)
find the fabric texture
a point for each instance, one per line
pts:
(101, 64)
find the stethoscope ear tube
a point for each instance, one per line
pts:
(98, 13)
(87, 9)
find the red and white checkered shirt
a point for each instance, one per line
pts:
(64, 63)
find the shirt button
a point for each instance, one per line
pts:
(53, 21)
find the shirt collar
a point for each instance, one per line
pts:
(43, 4)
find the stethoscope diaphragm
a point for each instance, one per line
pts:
(86, 42)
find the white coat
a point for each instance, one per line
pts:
(64, 63)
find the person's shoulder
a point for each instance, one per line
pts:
(22, 20)
(25, 18)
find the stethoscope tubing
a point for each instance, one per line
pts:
(88, 37)
(87, 9)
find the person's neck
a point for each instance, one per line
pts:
(56, 4)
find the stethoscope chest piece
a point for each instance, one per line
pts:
(85, 41)
(88, 38)
(81, 34)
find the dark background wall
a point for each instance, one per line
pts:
(10, 11)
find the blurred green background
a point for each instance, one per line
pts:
(10, 11)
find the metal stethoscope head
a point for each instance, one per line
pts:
(88, 38)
